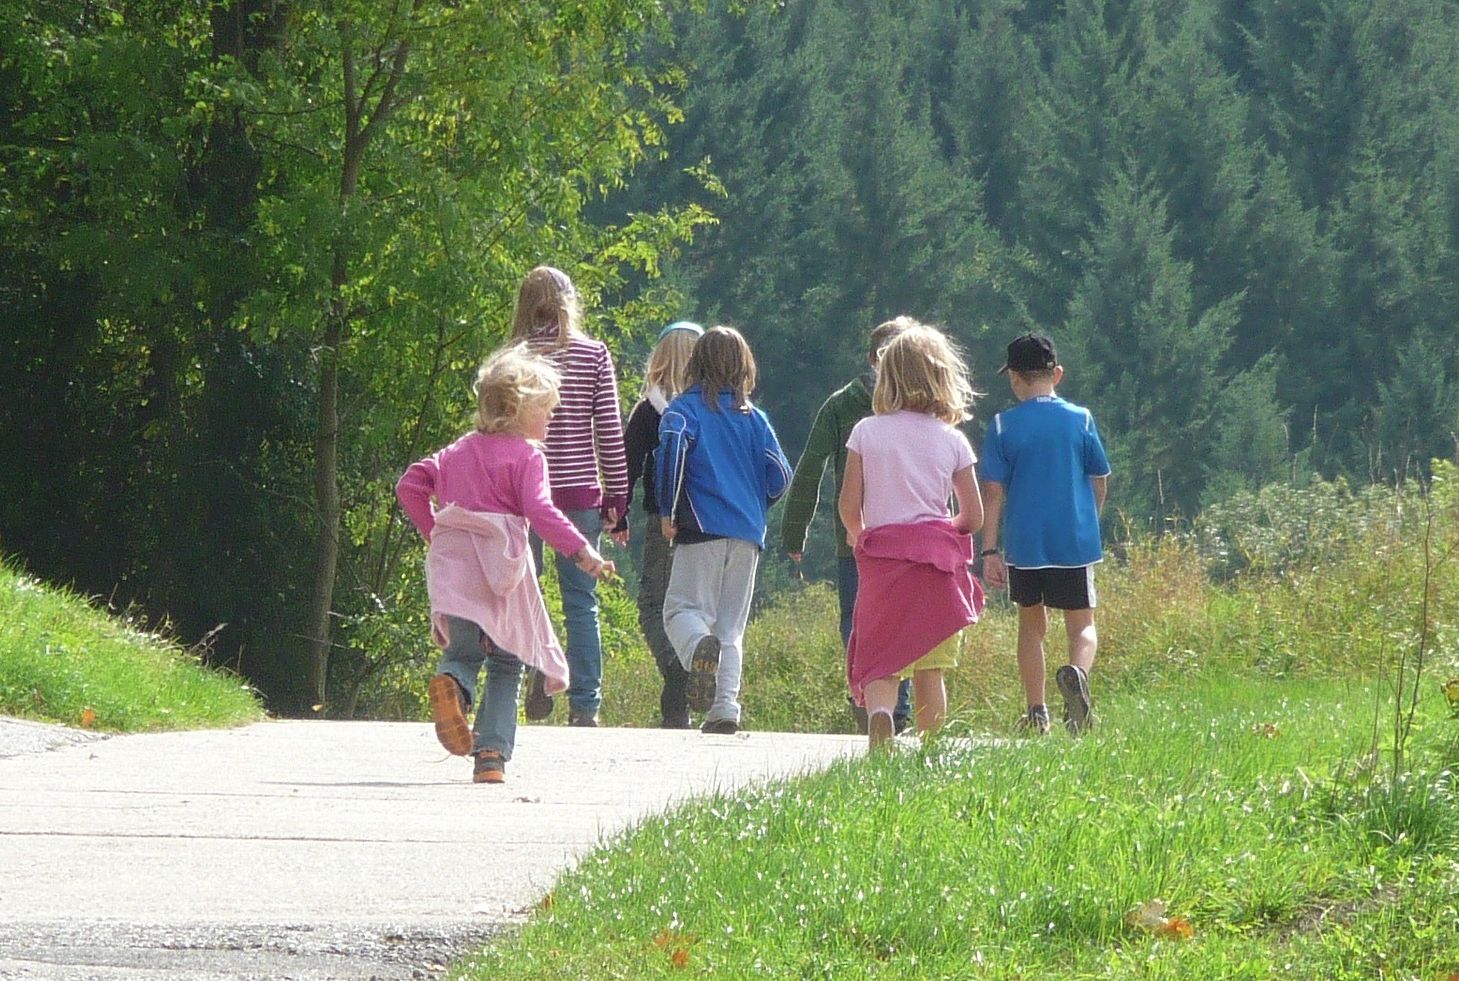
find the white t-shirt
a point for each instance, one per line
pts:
(908, 459)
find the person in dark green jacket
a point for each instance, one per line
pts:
(827, 441)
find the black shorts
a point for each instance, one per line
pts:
(1056, 586)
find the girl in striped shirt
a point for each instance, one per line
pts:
(586, 468)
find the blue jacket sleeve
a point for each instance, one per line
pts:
(777, 467)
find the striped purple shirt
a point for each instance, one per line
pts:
(585, 440)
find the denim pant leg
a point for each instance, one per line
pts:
(580, 616)
(847, 582)
(463, 655)
(496, 718)
(658, 559)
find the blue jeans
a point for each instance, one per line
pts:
(496, 716)
(580, 616)
(847, 581)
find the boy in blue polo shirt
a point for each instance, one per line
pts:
(1044, 475)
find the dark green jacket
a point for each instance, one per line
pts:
(827, 441)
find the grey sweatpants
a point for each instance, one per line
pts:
(709, 592)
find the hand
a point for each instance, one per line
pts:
(620, 538)
(667, 524)
(796, 556)
(594, 564)
(995, 571)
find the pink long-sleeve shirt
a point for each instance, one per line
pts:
(585, 437)
(493, 472)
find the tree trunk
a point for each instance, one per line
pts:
(359, 127)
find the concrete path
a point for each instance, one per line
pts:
(320, 849)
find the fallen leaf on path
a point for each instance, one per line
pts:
(88, 718)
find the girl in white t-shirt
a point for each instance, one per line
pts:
(912, 555)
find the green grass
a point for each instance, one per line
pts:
(1226, 799)
(1246, 675)
(62, 660)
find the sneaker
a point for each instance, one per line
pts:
(720, 727)
(490, 767)
(538, 703)
(900, 723)
(583, 720)
(879, 730)
(1073, 682)
(448, 711)
(702, 668)
(1034, 722)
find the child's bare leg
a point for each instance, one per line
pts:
(1033, 624)
(931, 703)
(1083, 639)
(881, 696)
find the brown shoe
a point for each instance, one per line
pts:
(583, 720)
(448, 711)
(490, 767)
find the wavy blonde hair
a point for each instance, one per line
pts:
(922, 371)
(509, 381)
(547, 296)
(668, 363)
(722, 359)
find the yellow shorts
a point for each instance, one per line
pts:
(944, 656)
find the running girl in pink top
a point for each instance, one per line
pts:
(588, 469)
(903, 465)
(473, 502)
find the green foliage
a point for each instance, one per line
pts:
(206, 216)
(62, 660)
(1238, 215)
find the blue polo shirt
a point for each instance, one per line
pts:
(1043, 451)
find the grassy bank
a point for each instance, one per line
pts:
(63, 660)
(1235, 801)
(1274, 766)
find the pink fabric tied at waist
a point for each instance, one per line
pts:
(479, 568)
(916, 590)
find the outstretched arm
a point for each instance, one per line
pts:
(805, 486)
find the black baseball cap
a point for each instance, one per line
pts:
(1031, 352)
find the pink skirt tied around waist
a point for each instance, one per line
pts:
(916, 590)
(479, 568)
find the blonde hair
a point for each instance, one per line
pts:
(547, 296)
(722, 360)
(668, 363)
(509, 381)
(922, 371)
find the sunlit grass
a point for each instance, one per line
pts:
(1224, 797)
(61, 660)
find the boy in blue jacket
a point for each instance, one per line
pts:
(718, 470)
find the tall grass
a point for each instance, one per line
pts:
(62, 660)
